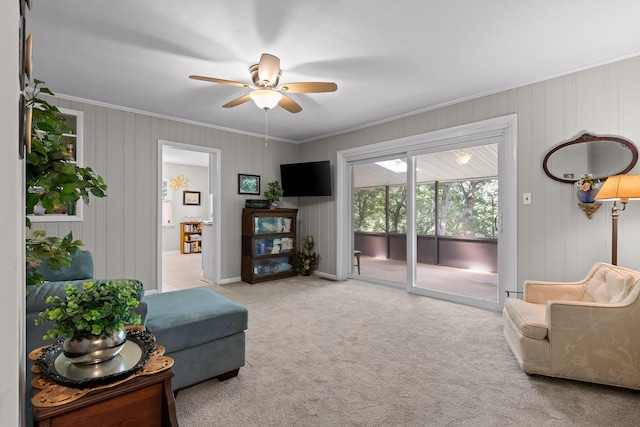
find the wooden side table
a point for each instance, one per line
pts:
(144, 401)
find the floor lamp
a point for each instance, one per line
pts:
(618, 188)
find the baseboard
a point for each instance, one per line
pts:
(230, 280)
(326, 275)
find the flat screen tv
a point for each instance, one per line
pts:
(306, 179)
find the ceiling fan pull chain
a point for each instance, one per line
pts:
(266, 131)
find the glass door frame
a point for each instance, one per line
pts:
(504, 130)
(394, 284)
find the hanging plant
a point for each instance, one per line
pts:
(52, 179)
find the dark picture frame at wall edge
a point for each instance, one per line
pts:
(22, 75)
(22, 110)
(23, 4)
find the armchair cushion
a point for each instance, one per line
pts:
(528, 318)
(608, 286)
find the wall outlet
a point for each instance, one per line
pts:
(526, 198)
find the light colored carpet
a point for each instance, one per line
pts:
(323, 353)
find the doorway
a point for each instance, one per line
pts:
(188, 216)
(500, 131)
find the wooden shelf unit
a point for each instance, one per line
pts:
(268, 244)
(145, 401)
(190, 237)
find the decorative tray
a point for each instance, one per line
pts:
(137, 349)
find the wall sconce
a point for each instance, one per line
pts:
(590, 208)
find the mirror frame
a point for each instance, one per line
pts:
(585, 138)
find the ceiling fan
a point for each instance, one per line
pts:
(267, 94)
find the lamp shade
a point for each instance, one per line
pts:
(266, 99)
(620, 187)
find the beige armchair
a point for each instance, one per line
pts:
(587, 330)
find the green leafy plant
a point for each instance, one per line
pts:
(274, 192)
(105, 306)
(54, 251)
(52, 179)
(306, 259)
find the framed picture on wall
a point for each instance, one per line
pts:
(248, 184)
(191, 198)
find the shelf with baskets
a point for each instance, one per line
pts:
(268, 244)
(190, 237)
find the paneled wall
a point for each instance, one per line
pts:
(122, 229)
(556, 241)
(555, 238)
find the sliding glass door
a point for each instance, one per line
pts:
(455, 209)
(380, 220)
(456, 212)
(477, 234)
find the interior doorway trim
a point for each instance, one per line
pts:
(503, 128)
(215, 161)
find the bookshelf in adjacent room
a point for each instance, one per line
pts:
(190, 237)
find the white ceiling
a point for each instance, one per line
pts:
(388, 58)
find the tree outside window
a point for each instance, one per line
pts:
(468, 208)
(465, 208)
(425, 209)
(369, 209)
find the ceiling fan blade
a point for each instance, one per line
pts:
(237, 101)
(221, 81)
(269, 68)
(289, 104)
(308, 87)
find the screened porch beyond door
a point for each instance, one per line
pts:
(458, 281)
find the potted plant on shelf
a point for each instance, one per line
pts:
(274, 193)
(92, 320)
(307, 260)
(52, 179)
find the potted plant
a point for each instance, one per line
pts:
(306, 259)
(52, 179)
(92, 320)
(274, 193)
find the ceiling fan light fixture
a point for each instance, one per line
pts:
(266, 99)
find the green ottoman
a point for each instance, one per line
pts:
(201, 331)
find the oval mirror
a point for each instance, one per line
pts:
(602, 156)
